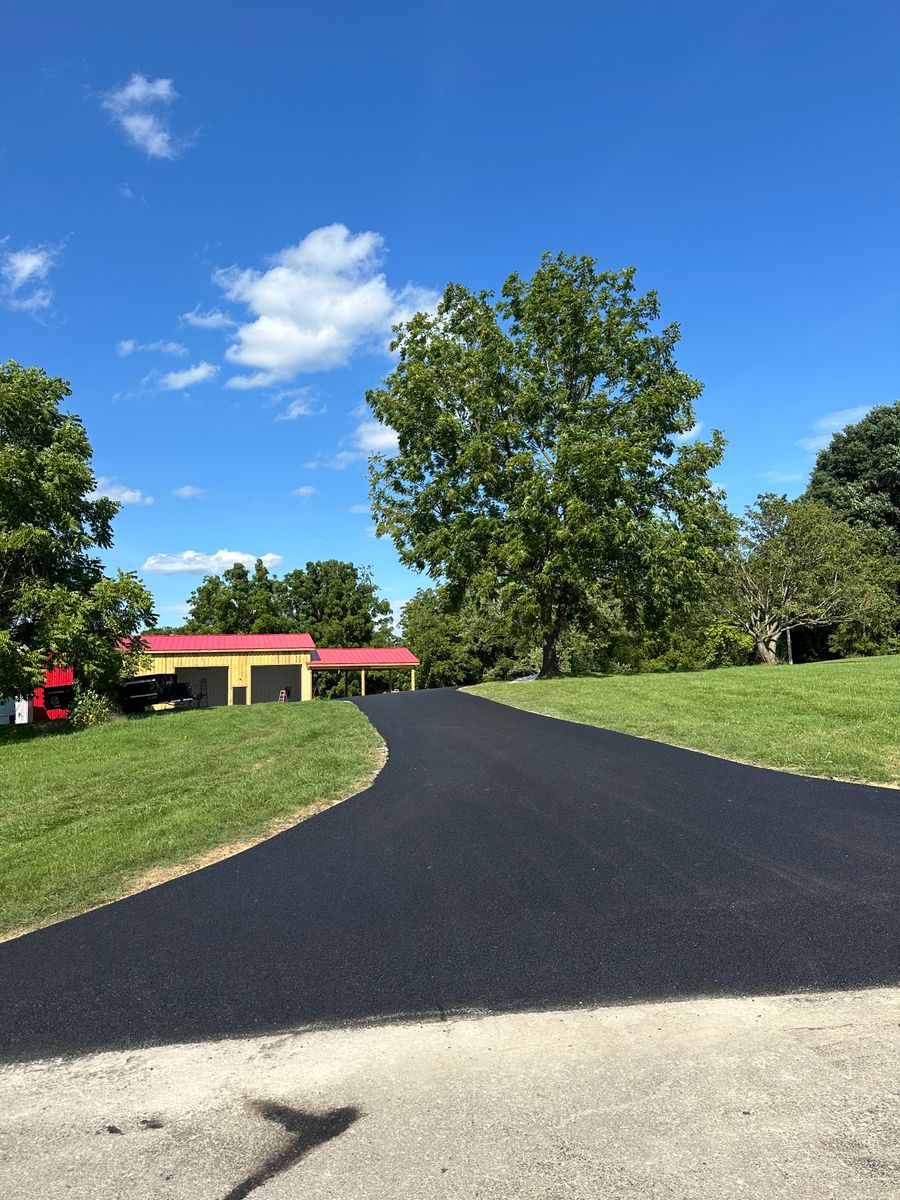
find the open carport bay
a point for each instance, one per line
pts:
(209, 684)
(266, 683)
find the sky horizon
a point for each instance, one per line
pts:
(208, 224)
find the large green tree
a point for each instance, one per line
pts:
(858, 474)
(799, 566)
(337, 603)
(544, 457)
(56, 604)
(237, 602)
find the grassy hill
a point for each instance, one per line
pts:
(86, 817)
(838, 719)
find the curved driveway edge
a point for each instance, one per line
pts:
(501, 861)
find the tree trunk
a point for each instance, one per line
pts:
(550, 660)
(765, 648)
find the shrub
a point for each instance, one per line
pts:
(89, 708)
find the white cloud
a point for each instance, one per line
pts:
(374, 438)
(213, 318)
(192, 562)
(690, 435)
(139, 109)
(189, 492)
(110, 487)
(359, 508)
(297, 403)
(174, 348)
(829, 424)
(129, 346)
(318, 302)
(369, 437)
(243, 383)
(200, 373)
(304, 492)
(24, 275)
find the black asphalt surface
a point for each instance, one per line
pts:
(500, 861)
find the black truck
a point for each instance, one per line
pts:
(137, 694)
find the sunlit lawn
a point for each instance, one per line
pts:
(840, 719)
(83, 814)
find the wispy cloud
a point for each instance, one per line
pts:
(130, 346)
(127, 192)
(304, 492)
(110, 487)
(359, 508)
(176, 381)
(24, 274)
(213, 318)
(826, 426)
(140, 109)
(189, 492)
(369, 437)
(298, 402)
(192, 562)
(317, 303)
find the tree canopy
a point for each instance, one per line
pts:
(858, 474)
(56, 604)
(336, 602)
(545, 457)
(459, 644)
(799, 566)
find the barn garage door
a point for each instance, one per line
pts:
(267, 682)
(209, 682)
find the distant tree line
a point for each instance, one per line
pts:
(823, 569)
(337, 603)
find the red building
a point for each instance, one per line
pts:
(57, 677)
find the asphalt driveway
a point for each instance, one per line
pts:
(501, 861)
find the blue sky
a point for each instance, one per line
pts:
(211, 214)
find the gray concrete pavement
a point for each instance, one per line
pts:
(793, 1097)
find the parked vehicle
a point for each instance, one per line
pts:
(143, 691)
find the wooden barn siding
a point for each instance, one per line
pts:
(238, 664)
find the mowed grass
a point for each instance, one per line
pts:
(837, 719)
(84, 815)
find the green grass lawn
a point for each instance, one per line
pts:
(82, 815)
(838, 719)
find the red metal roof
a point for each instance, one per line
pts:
(368, 656)
(225, 643)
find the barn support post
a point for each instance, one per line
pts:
(362, 682)
(412, 680)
